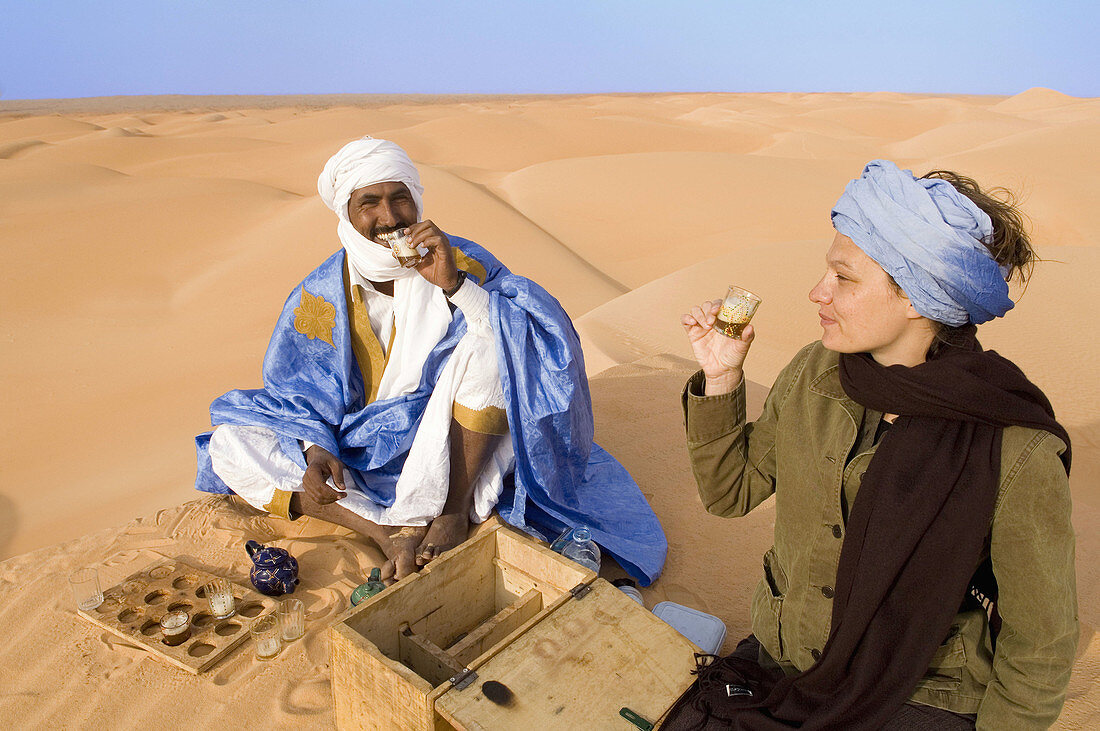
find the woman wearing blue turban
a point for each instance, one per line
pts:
(922, 570)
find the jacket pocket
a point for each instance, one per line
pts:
(945, 669)
(767, 606)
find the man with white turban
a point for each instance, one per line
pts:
(404, 403)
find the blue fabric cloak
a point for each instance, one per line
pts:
(313, 391)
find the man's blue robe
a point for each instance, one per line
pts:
(314, 391)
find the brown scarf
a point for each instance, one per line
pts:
(914, 539)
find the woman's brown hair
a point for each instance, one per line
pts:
(1009, 245)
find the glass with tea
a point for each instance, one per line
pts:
(405, 253)
(176, 628)
(738, 307)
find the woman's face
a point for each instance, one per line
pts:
(862, 312)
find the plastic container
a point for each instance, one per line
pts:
(628, 587)
(559, 543)
(582, 549)
(705, 630)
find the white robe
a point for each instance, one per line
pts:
(250, 461)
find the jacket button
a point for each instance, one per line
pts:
(815, 654)
(827, 591)
(836, 531)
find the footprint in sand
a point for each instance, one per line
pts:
(237, 667)
(121, 667)
(124, 653)
(324, 602)
(681, 595)
(356, 561)
(307, 696)
(262, 525)
(116, 643)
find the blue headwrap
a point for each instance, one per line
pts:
(928, 237)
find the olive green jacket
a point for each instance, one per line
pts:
(797, 451)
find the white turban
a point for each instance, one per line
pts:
(360, 163)
(364, 162)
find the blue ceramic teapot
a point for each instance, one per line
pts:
(274, 570)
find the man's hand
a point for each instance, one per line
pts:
(438, 265)
(321, 464)
(720, 357)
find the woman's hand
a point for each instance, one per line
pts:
(720, 357)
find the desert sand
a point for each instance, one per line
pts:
(151, 242)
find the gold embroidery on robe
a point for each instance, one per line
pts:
(280, 504)
(364, 342)
(315, 318)
(490, 420)
(469, 265)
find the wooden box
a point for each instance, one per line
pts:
(569, 647)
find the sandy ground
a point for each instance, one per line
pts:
(151, 242)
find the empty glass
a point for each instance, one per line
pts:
(292, 619)
(86, 591)
(220, 596)
(265, 633)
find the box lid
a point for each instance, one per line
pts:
(578, 666)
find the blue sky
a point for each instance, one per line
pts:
(64, 48)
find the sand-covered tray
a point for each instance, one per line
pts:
(134, 607)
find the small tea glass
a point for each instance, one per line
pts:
(86, 591)
(292, 619)
(176, 628)
(266, 634)
(738, 307)
(406, 254)
(220, 595)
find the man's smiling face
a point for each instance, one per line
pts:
(382, 207)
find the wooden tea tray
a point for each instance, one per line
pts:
(134, 607)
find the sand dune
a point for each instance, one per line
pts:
(1037, 99)
(960, 136)
(153, 240)
(643, 215)
(49, 127)
(127, 150)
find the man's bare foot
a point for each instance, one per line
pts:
(445, 532)
(400, 544)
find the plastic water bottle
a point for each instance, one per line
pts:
(563, 538)
(583, 549)
(628, 587)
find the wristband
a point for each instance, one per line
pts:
(448, 293)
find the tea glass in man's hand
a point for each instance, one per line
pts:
(406, 254)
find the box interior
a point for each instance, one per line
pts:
(458, 611)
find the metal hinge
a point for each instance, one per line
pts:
(580, 590)
(463, 679)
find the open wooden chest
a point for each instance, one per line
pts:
(569, 648)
